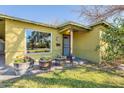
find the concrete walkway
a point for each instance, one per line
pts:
(7, 72)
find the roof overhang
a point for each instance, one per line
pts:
(65, 26)
(79, 27)
(2, 16)
(72, 26)
(103, 23)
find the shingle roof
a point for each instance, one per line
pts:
(25, 20)
(52, 26)
(100, 22)
(73, 23)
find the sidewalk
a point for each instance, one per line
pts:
(7, 73)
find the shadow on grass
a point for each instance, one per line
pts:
(95, 68)
(59, 81)
(107, 71)
(67, 82)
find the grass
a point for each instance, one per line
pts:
(82, 77)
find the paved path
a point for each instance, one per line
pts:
(8, 72)
(6, 77)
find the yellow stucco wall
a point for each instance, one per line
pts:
(2, 30)
(85, 44)
(15, 40)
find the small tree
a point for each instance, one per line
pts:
(95, 13)
(114, 41)
(113, 37)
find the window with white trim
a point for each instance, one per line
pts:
(38, 42)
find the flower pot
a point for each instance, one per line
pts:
(22, 68)
(44, 64)
(57, 64)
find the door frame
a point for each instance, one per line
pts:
(69, 44)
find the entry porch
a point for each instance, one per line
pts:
(70, 33)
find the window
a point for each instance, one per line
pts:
(38, 42)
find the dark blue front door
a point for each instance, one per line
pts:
(66, 45)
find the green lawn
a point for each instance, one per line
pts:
(83, 77)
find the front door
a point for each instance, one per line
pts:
(66, 45)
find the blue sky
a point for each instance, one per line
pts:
(44, 14)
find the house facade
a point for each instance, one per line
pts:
(21, 37)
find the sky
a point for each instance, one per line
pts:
(43, 13)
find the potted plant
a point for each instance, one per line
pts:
(45, 63)
(23, 64)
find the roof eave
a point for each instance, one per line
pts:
(83, 27)
(99, 23)
(27, 21)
